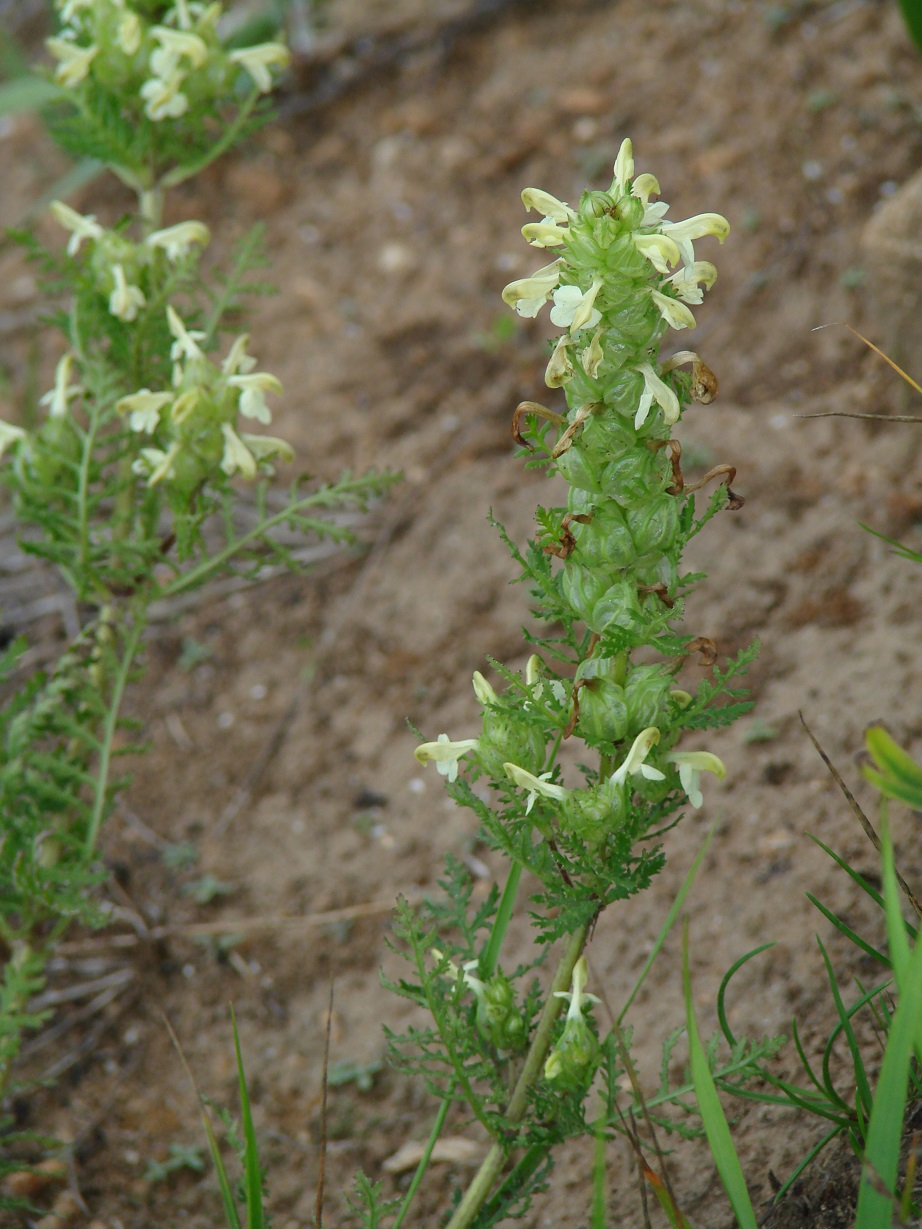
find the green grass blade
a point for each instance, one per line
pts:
(252, 1177)
(724, 986)
(863, 1087)
(670, 921)
(599, 1216)
(885, 1130)
(896, 928)
(227, 1194)
(846, 931)
(712, 1115)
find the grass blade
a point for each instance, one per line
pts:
(669, 922)
(252, 1176)
(712, 1115)
(885, 1130)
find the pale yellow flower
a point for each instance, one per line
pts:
(73, 61)
(259, 59)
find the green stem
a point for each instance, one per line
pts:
(479, 1190)
(180, 173)
(427, 1154)
(490, 957)
(135, 625)
(323, 498)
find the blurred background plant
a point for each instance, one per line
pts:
(126, 475)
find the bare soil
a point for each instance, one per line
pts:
(280, 753)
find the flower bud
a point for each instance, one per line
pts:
(507, 737)
(646, 694)
(499, 1019)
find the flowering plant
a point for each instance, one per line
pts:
(606, 574)
(127, 481)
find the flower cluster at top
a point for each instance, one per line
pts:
(623, 275)
(612, 286)
(168, 66)
(185, 431)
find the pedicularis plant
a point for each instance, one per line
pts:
(127, 479)
(606, 574)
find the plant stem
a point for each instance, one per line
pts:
(424, 1159)
(479, 1190)
(135, 625)
(490, 957)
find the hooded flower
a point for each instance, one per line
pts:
(253, 389)
(529, 294)
(80, 227)
(237, 457)
(63, 392)
(676, 314)
(634, 762)
(155, 464)
(126, 300)
(684, 233)
(445, 754)
(143, 409)
(176, 240)
(258, 60)
(186, 343)
(691, 764)
(73, 61)
(659, 391)
(552, 209)
(535, 785)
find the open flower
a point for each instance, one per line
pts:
(573, 308)
(545, 234)
(73, 61)
(266, 448)
(552, 209)
(676, 314)
(143, 409)
(80, 227)
(177, 44)
(259, 59)
(687, 282)
(529, 294)
(238, 361)
(691, 764)
(660, 250)
(253, 389)
(684, 233)
(535, 785)
(635, 761)
(237, 457)
(445, 754)
(186, 343)
(176, 240)
(63, 392)
(155, 464)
